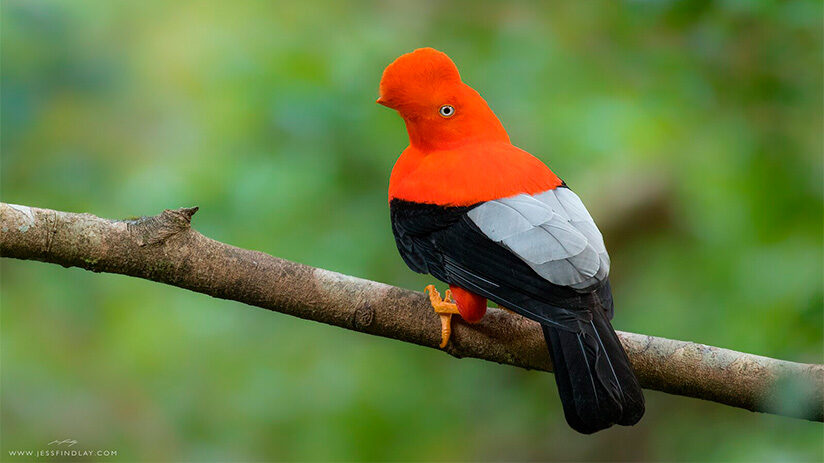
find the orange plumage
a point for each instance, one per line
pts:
(458, 160)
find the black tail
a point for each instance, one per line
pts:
(594, 376)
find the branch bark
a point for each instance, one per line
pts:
(165, 249)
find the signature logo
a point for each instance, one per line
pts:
(63, 448)
(66, 442)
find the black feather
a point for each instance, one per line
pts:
(594, 377)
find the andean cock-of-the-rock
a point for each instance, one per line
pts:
(495, 223)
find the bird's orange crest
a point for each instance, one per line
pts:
(459, 152)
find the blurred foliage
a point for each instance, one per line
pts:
(263, 114)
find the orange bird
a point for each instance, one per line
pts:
(493, 222)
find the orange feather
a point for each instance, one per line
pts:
(471, 306)
(455, 160)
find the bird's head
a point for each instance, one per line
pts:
(440, 110)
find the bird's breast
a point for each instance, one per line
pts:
(468, 175)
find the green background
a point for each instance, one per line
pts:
(263, 114)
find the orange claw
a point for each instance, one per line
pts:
(445, 308)
(446, 328)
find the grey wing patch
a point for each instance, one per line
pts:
(552, 232)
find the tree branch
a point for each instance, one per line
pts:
(165, 249)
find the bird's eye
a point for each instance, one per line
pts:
(446, 111)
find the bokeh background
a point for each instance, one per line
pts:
(693, 130)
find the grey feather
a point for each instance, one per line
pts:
(570, 237)
(587, 262)
(592, 234)
(499, 221)
(577, 270)
(548, 197)
(542, 244)
(552, 232)
(603, 268)
(530, 208)
(561, 272)
(572, 204)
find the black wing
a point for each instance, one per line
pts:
(446, 243)
(511, 263)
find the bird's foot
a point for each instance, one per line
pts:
(445, 308)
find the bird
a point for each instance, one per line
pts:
(494, 223)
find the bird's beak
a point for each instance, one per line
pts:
(382, 101)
